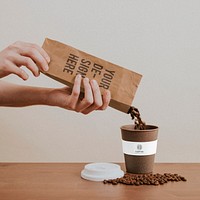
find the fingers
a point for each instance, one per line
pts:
(88, 96)
(25, 54)
(28, 62)
(93, 100)
(106, 100)
(15, 70)
(74, 97)
(97, 99)
(36, 53)
(97, 94)
(42, 52)
(36, 57)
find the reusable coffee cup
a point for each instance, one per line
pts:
(139, 148)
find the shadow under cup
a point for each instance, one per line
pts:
(139, 148)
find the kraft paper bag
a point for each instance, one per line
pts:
(66, 62)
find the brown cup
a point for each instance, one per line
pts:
(139, 147)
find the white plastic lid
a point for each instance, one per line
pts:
(101, 171)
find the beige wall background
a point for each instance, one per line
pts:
(157, 38)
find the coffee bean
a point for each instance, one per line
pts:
(137, 183)
(114, 182)
(132, 182)
(128, 182)
(146, 179)
(161, 182)
(109, 181)
(183, 178)
(105, 181)
(156, 183)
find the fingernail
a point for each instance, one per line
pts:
(94, 82)
(46, 67)
(108, 93)
(37, 74)
(78, 76)
(48, 59)
(86, 79)
(25, 75)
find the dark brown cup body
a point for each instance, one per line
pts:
(139, 164)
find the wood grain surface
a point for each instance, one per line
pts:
(59, 181)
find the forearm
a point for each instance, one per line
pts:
(19, 96)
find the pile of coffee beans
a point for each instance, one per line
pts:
(135, 115)
(146, 179)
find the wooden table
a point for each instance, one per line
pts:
(62, 181)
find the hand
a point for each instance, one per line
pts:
(23, 54)
(70, 98)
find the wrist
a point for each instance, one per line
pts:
(47, 98)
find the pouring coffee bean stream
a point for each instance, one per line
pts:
(135, 115)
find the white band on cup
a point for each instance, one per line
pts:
(139, 148)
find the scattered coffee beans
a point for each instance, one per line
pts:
(135, 115)
(146, 179)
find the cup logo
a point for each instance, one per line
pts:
(139, 147)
